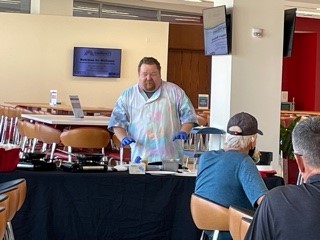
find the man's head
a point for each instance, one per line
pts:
(242, 132)
(243, 124)
(149, 71)
(306, 145)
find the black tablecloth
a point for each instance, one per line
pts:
(62, 205)
(110, 205)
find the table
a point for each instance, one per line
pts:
(106, 205)
(60, 108)
(110, 205)
(68, 119)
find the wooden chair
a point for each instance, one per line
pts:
(30, 134)
(208, 215)
(11, 208)
(244, 226)
(16, 191)
(235, 220)
(3, 214)
(50, 138)
(85, 138)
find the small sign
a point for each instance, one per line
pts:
(284, 96)
(203, 101)
(53, 97)
(76, 106)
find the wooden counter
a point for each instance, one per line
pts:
(300, 113)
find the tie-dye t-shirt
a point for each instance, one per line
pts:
(153, 121)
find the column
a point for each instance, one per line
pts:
(249, 79)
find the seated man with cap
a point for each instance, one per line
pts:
(229, 176)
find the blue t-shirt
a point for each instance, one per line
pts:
(229, 178)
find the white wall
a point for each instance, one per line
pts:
(37, 52)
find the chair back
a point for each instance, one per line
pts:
(208, 215)
(3, 215)
(198, 142)
(31, 135)
(235, 220)
(21, 185)
(13, 201)
(47, 134)
(244, 226)
(85, 137)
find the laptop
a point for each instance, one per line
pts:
(76, 106)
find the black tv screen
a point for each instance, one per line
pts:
(96, 62)
(217, 31)
(288, 31)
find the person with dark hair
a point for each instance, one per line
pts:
(292, 211)
(152, 114)
(229, 176)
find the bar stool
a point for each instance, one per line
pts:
(198, 142)
(30, 134)
(50, 138)
(85, 138)
(115, 153)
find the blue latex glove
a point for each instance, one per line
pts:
(126, 141)
(180, 135)
(137, 159)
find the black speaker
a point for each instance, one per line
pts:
(265, 158)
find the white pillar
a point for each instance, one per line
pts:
(250, 78)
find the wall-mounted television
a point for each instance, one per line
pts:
(288, 31)
(96, 62)
(217, 31)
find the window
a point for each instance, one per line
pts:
(15, 6)
(104, 10)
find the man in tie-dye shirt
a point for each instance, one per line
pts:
(153, 115)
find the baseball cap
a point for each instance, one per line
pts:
(245, 124)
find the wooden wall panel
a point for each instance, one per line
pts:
(185, 36)
(191, 70)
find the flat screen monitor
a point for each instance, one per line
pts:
(217, 31)
(96, 62)
(288, 31)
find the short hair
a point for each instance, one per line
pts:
(149, 61)
(238, 141)
(306, 140)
